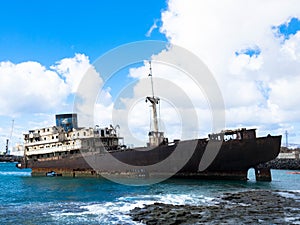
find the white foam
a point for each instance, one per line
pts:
(294, 194)
(10, 173)
(290, 194)
(102, 213)
(117, 212)
(174, 199)
(293, 220)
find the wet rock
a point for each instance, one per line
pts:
(251, 207)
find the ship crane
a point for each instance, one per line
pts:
(115, 129)
(155, 137)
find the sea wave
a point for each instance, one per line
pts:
(294, 194)
(13, 173)
(116, 212)
(174, 199)
(95, 213)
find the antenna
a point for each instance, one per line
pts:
(9, 139)
(286, 139)
(150, 75)
(12, 129)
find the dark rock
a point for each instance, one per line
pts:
(285, 164)
(251, 207)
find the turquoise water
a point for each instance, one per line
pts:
(60, 200)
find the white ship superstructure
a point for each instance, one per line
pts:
(67, 139)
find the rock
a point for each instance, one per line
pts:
(286, 164)
(251, 207)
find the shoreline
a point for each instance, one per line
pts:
(247, 207)
(282, 164)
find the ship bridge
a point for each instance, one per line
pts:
(236, 134)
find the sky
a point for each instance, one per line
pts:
(252, 49)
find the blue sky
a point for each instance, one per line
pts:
(49, 31)
(254, 54)
(46, 31)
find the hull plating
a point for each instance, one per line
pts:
(232, 161)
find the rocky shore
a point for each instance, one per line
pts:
(284, 164)
(250, 207)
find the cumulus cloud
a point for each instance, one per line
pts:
(291, 48)
(72, 70)
(29, 87)
(181, 100)
(31, 93)
(256, 67)
(258, 88)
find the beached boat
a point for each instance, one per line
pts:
(79, 151)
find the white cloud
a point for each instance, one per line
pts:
(72, 70)
(85, 82)
(29, 87)
(181, 100)
(292, 47)
(259, 90)
(285, 93)
(153, 27)
(245, 62)
(31, 94)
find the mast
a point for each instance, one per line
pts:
(154, 101)
(155, 137)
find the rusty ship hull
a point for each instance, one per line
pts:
(71, 150)
(233, 160)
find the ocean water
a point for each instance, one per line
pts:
(61, 200)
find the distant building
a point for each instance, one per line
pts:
(288, 154)
(17, 150)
